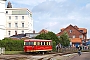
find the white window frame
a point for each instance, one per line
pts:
(80, 36)
(22, 31)
(23, 17)
(9, 24)
(16, 17)
(70, 31)
(9, 32)
(9, 17)
(22, 25)
(73, 36)
(16, 25)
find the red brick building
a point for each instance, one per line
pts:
(43, 31)
(76, 35)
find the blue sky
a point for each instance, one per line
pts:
(56, 14)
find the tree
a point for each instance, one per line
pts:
(41, 36)
(49, 36)
(64, 39)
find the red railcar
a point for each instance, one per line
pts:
(37, 45)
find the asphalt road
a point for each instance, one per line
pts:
(84, 56)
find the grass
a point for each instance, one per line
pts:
(14, 52)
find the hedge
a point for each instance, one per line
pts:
(17, 45)
(12, 45)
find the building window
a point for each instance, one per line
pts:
(22, 32)
(9, 25)
(16, 17)
(73, 36)
(16, 24)
(6, 12)
(15, 32)
(22, 24)
(70, 31)
(81, 31)
(9, 32)
(22, 17)
(80, 36)
(9, 17)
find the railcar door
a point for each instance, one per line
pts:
(31, 46)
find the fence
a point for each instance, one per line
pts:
(2, 50)
(72, 49)
(66, 50)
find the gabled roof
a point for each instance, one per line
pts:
(84, 30)
(75, 27)
(43, 31)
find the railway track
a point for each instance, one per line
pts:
(51, 57)
(47, 56)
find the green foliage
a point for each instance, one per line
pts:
(64, 39)
(54, 45)
(12, 45)
(41, 36)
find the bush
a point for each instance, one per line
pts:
(12, 45)
(54, 45)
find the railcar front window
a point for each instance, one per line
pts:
(26, 43)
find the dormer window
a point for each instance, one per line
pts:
(70, 31)
(81, 31)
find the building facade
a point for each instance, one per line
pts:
(2, 19)
(77, 35)
(18, 21)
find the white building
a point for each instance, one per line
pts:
(18, 21)
(2, 19)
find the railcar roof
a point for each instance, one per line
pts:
(36, 40)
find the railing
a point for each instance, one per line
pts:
(72, 49)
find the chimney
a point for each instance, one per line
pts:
(76, 27)
(34, 31)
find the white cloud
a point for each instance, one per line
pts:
(60, 0)
(88, 6)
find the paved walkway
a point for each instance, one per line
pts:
(84, 56)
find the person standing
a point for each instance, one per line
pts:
(79, 50)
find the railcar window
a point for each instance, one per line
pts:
(26, 43)
(31, 43)
(42, 43)
(34, 43)
(45, 43)
(38, 43)
(49, 43)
